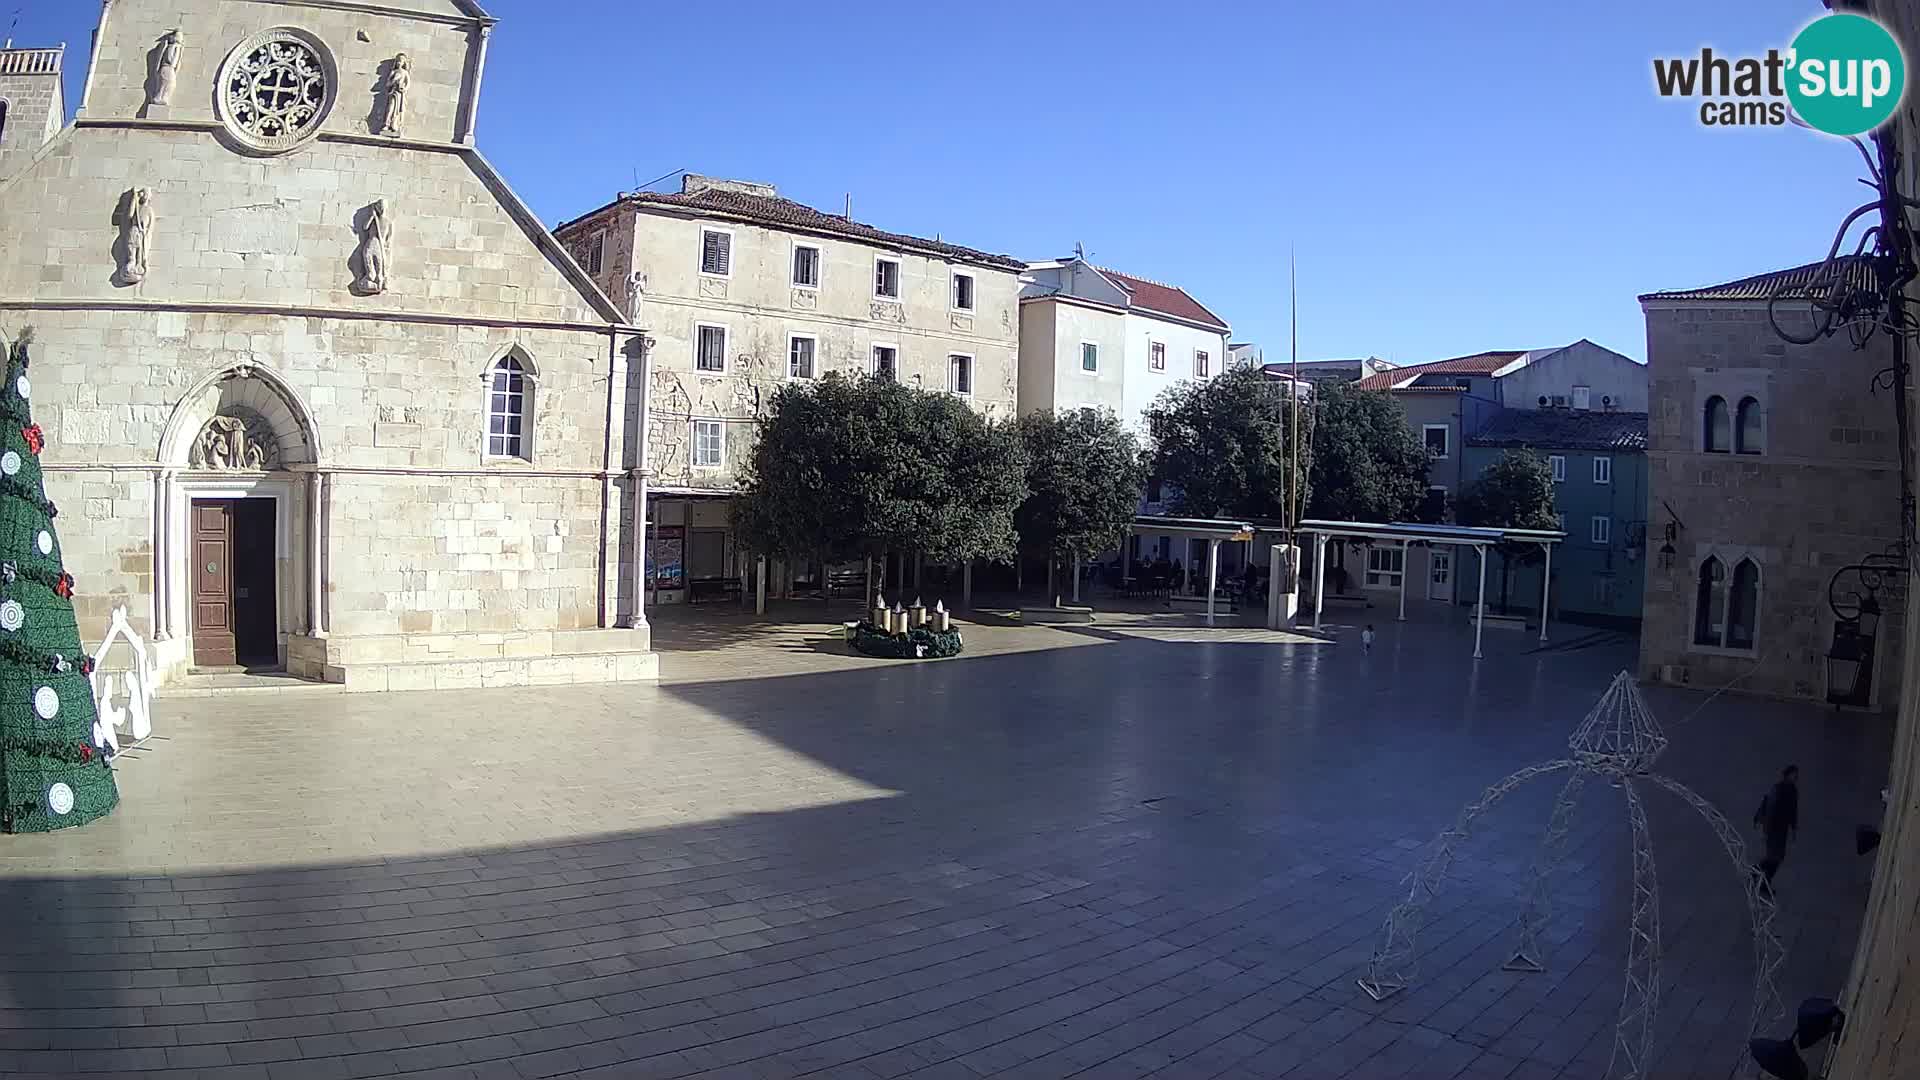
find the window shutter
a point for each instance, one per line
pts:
(715, 254)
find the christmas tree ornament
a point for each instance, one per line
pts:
(49, 776)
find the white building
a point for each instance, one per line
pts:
(744, 291)
(1094, 337)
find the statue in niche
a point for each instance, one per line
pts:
(636, 294)
(136, 236)
(167, 72)
(234, 443)
(376, 240)
(398, 80)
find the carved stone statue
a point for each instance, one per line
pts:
(168, 72)
(636, 294)
(375, 249)
(136, 236)
(395, 113)
(235, 442)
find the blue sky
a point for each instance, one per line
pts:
(1455, 177)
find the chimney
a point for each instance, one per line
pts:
(694, 184)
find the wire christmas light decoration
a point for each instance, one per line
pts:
(1619, 742)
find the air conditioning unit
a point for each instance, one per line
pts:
(1675, 674)
(1543, 401)
(1559, 401)
(1606, 401)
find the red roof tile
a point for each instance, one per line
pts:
(1485, 363)
(1164, 299)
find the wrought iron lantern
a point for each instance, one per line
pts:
(1667, 551)
(1850, 658)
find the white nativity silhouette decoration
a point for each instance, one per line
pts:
(134, 685)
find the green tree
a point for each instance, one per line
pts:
(1515, 492)
(845, 468)
(1223, 444)
(1367, 464)
(1084, 476)
(52, 773)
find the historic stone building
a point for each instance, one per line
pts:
(741, 291)
(1773, 492)
(319, 391)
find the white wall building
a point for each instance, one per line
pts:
(1094, 337)
(744, 291)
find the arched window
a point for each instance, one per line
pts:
(1717, 438)
(1743, 604)
(509, 410)
(3, 123)
(1747, 438)
(1710, 603)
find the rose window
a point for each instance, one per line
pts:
(276, 89)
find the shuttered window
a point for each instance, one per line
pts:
(716, 253)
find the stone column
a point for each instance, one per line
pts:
(162, 556)
(317, 554)
(637, 619)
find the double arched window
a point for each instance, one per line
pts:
(510, 408)
(1727, 607)
(1717, 434)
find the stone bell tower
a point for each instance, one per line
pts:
(32, 106)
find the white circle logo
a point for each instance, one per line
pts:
(60, 799)
(46, 702)
(45, 541)
(12, 615)
(21, 384)
(10, 462)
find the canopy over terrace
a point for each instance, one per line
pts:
(1460, 535)
(1212, 530)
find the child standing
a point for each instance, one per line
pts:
(1366, 639)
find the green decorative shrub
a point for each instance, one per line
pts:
(914, 644)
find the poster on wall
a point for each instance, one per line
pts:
(666, 558)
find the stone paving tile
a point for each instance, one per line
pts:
(1157, 852)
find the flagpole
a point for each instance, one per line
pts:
(1293, 287)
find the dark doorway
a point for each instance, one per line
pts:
(235, 620)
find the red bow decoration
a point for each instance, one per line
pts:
(34, 436)
(86, 752)
(86, 665)
(64, 587)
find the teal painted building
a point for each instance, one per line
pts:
(1599, 463)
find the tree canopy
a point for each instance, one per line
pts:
(851, 467)
(1515, 492)
(1367, 464)
(1222, 444)
(1084, 476)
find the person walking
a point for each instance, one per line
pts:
(1366, 639)
(1778, 819)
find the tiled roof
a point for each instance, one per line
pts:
(1856, 271)
(1165, 299)
(1564, 429)
(787, 214)
(1485, 363)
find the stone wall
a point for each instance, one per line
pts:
(376, 400)
(1822, 495)
(760, 309)
(35, 106)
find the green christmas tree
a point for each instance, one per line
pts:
(53, 774)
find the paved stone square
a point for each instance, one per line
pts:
(1115, 851)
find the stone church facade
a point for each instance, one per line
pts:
(319, 392)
